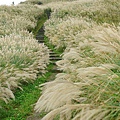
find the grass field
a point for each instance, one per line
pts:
(87, 33)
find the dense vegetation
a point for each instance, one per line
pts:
(89, 86)
(22, 58)
(88, 33)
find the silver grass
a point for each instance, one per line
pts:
(91, 114)
(63, 110)
(110, 66)
(56, 94)
(89, 60)
(17, 48)
(83, 112)
(91, 71)
(6, 94)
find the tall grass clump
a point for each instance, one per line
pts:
(105, 12)
(88, 88)
(17, 18)
(22, 58)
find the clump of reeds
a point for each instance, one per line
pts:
(21, 59)
(90, 62)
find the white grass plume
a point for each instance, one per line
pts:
(83, 112)
(56, 94)
(6, 94)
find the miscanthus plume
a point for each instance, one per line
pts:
(88, 88)
(21, 59)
